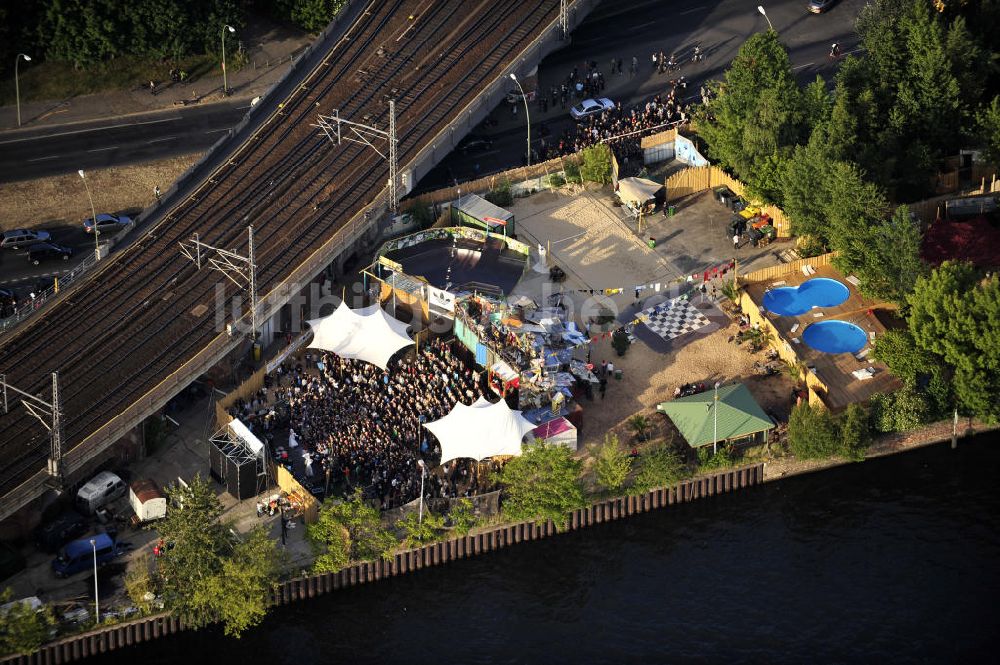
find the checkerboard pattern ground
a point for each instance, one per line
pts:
(673, 318)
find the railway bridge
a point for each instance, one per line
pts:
(124, 340)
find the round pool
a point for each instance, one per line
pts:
(795, 300)
(835, 337)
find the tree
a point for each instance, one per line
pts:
(140, 584)
(640, 425)
(543, 482)
(462, 517)
(198, 543)
(369, 539)
(900, 411)
(890, 251)
(659, 466)
(855, 433)
(812, 432)
(596, 164)
(417, 532)
(988, 128)
(23, 629)
(612, 465)
(243, 589)
(805, 189)
(330, 541)
(755, 115)
(920, 370)
(954, 315)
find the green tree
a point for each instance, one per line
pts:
(330, 542)
(543, 482)
(954, 314)
(612, 465)
(243, 589)
(805, 188)
(988, 129)
(596, 164)
(920, 370)
(855, 433)
(417, 532)
(755, 115)
(890, 251)
(812, 432)
(199, 543)
(462, 516)
(369, 539)
(659, 466)
(900, 411)
(23, 629)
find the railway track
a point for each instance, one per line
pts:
(135, 320)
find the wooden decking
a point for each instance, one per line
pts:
(833, 370)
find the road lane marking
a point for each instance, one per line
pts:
(166, 138)
(215, 131)
(91, 129)
(801, 66)
(692, 10)
(114, 147)
(42, 159)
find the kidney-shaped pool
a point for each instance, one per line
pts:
(795, 300)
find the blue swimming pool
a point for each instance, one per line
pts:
(795, 300)
(835, 337)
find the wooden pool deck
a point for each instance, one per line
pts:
(834, 370)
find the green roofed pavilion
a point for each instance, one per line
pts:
(740, 417)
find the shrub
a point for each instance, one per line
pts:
(899, 411)
(855, 433)
(572, 171)
(659, 467)
(724, 458)
(812, 432)
(556, 180)
(500, 196)
(612, 465)
(596, 164)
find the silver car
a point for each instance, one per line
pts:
(107, 223)
(17, 238)
(589, 107)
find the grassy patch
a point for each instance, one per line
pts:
(60, 80)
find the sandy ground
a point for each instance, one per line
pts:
(62, 200)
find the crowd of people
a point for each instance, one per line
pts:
(364, 424)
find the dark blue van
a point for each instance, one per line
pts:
(78, 555)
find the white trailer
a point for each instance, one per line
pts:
(148, 502)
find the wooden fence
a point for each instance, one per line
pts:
(767, 274)
(699, 178)
(148, 628)
(490, 182)
(932, 209)
(246, 389)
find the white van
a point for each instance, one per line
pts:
(99, 490)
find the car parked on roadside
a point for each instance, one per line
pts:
(820, 6)
(107, 223)
(589, 107)
(52, 535)
(474, 144)
(80, 555)
(45, 251)
(17, 238)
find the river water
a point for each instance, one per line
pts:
(893, 560)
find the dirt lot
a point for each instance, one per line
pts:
(62, 200)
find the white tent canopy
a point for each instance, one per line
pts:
(479, 431)
(639, 190)
(367, 334)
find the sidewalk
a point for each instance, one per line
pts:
(270, 51)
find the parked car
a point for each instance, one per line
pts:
(820, 6)
(107, 223)
(79, 555)
(50, 536)
(589, 107)
(473, 144)
(17, 238)
(44, 251)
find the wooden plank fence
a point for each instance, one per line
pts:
(697, 179)
(770, 273)
(122, 635)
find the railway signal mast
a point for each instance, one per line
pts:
(241, 270)
(564, 18)
(49, 414)
(339, 130)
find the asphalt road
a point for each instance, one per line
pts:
(639, 28)
(54, 150)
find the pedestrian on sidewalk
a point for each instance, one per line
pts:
(156, 192)
(736, 241)
(152, 87)
(635, 67)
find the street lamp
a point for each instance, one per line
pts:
(93, 211)
(225, 82)
(715, 424)
(420, 517)
(97, 607)
(17, 86)
(526, 113)
(760, 8)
